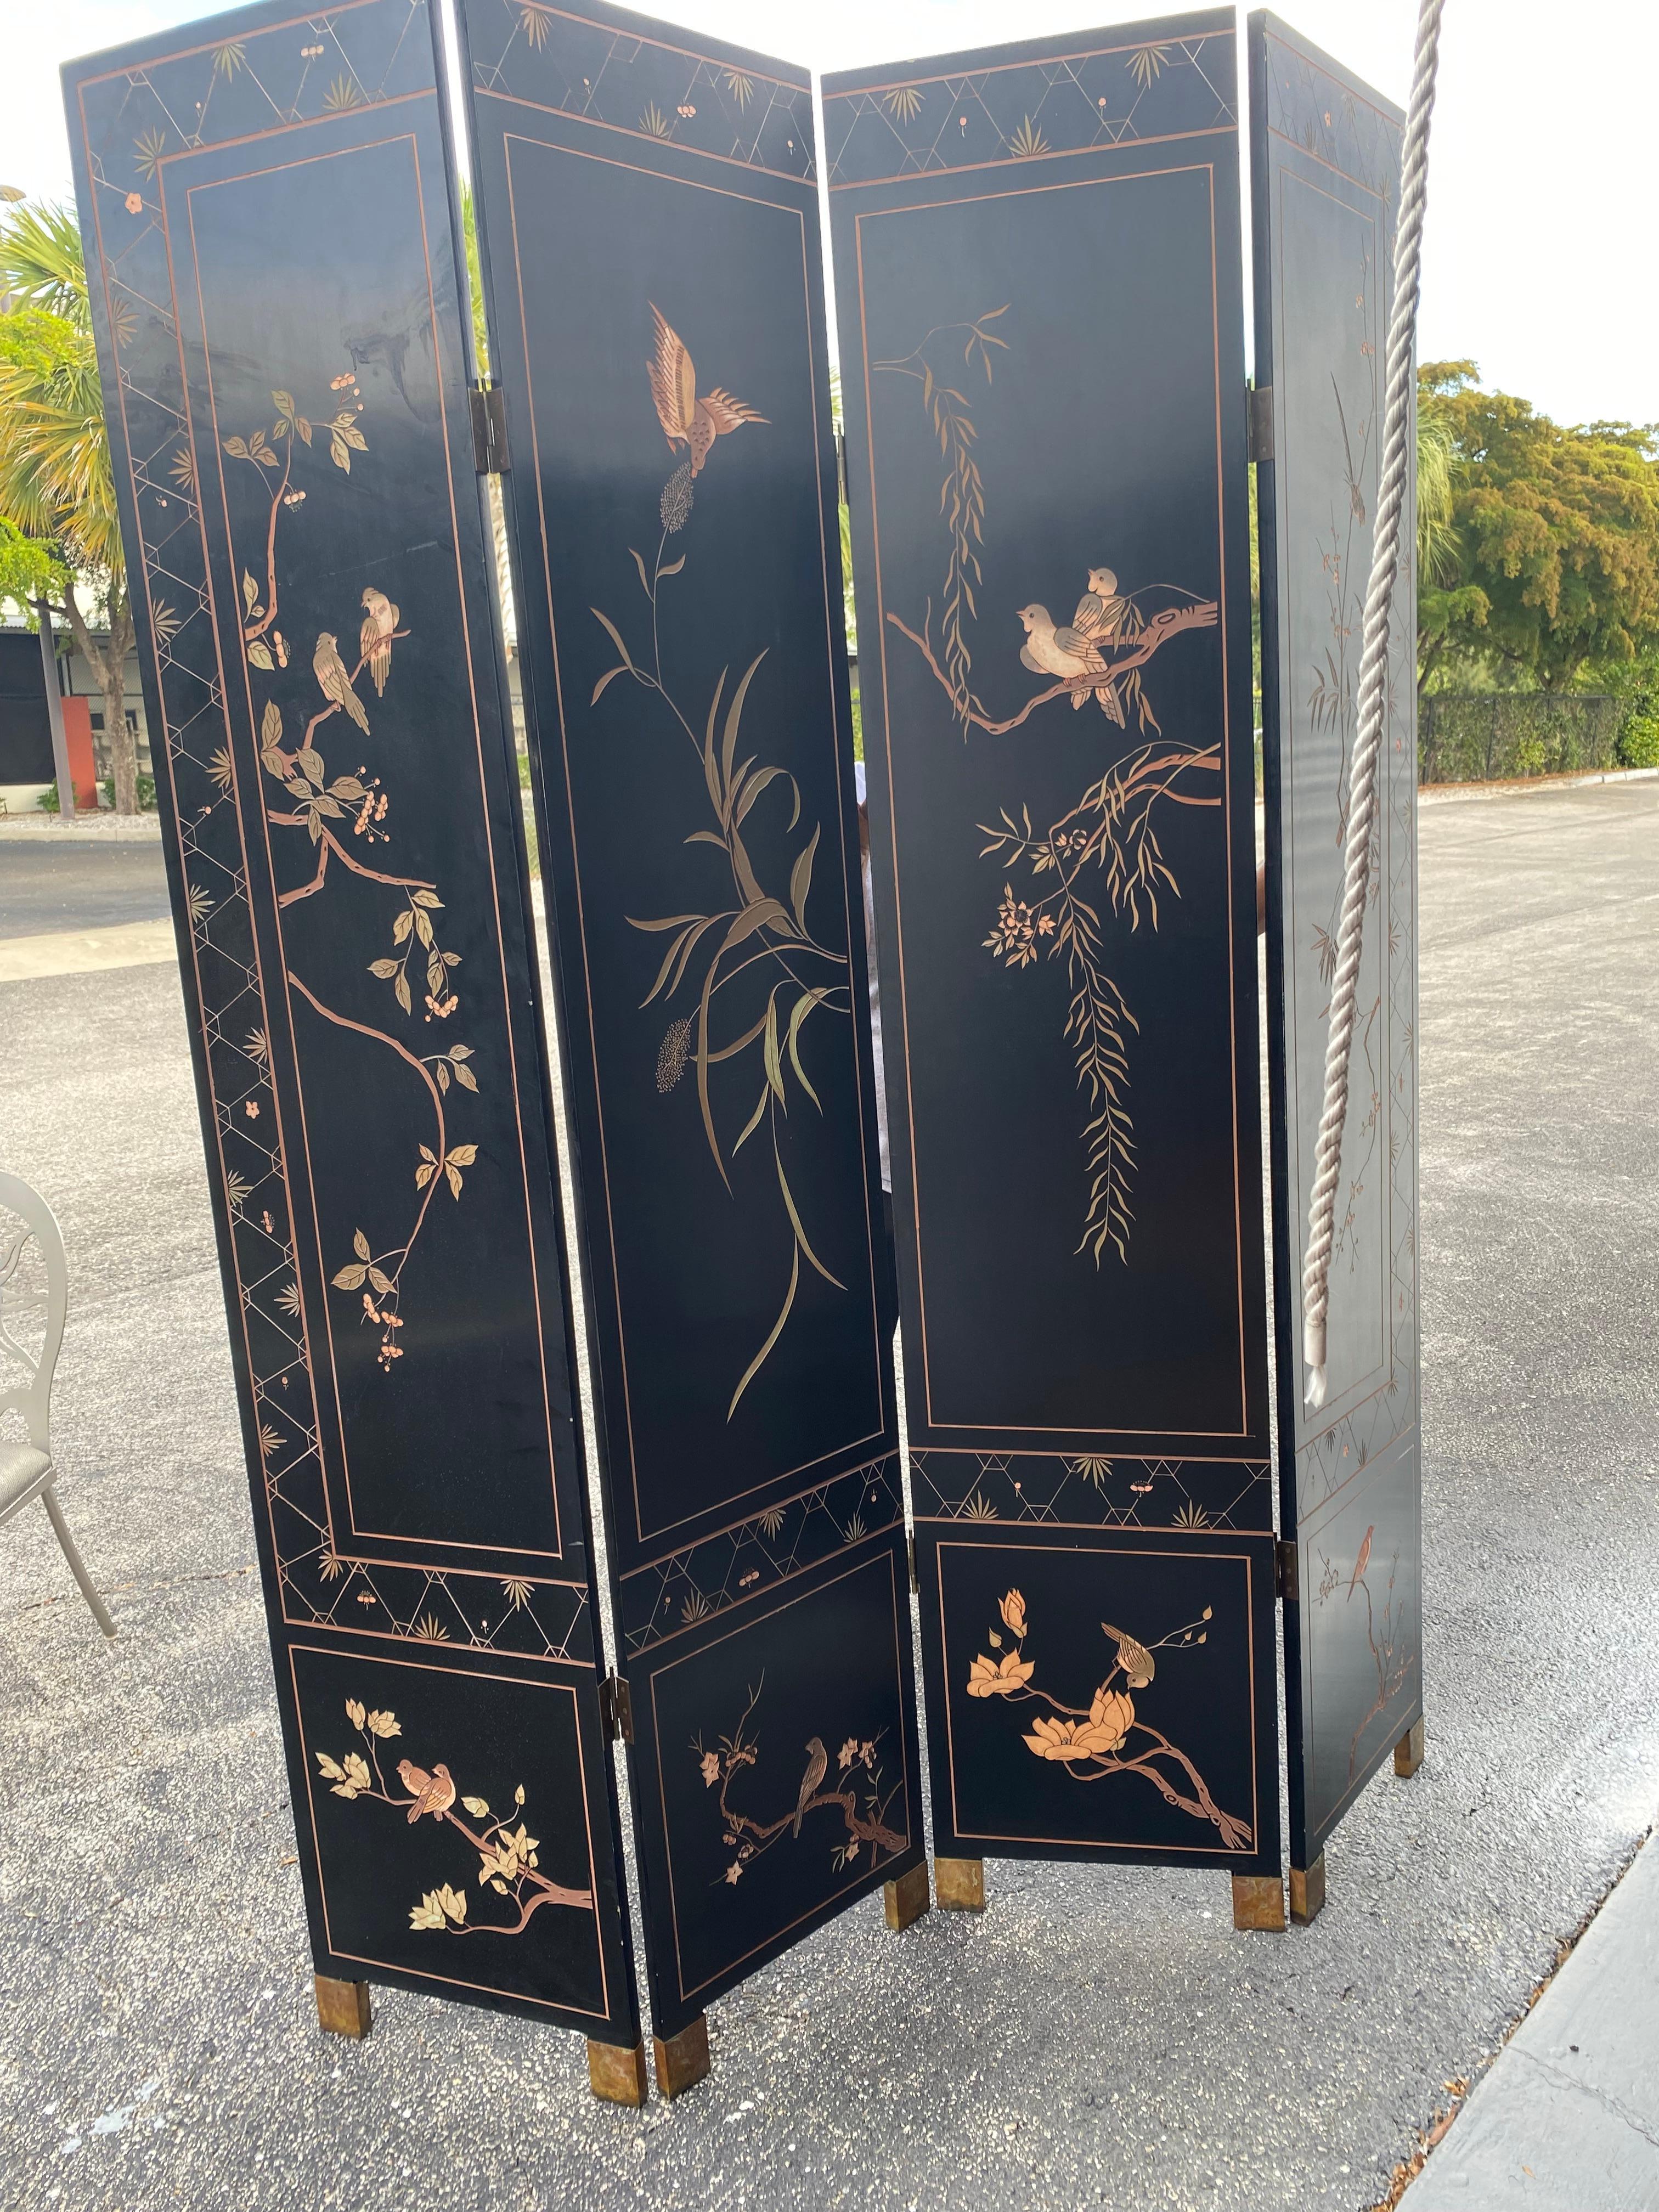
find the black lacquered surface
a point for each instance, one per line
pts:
(1040, 305)
(1325, 151)
(274, 279)
(648, 223)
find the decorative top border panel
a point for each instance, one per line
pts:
(281, 68)
(606, 66)
(1133, 86)
(1313, 102)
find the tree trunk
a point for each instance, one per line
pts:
(122, 745)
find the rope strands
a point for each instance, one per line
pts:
(1373, 698)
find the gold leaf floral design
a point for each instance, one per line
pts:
(1107, 1736)
(904, 103)
(757, 932)
(1027, 143)
(508, 1857)
(857, 1791)
(344, 814)
(1111, 831)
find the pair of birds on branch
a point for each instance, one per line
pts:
(1073, 649)
(380, 627)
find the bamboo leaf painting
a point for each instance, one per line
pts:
(747, 929)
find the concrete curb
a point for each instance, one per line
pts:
(1445, 794)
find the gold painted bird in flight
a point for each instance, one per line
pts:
(817, 1765)
(687, 417)
(433, 1792)
(330, 673)
(380, 623)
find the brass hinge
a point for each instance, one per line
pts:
(1287, 1561)
(616, 1708)
(910, 1553)
(490, 454)
(1259, 420)
(840, 466)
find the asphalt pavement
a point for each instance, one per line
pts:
(78, 884)
(1099, 2036)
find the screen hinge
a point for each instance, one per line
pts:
(840, 466)
(1287, 1562)
(616, 1708)
(490, 455)
(910, 1553)
(1260, 418)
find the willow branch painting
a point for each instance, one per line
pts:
(509, 1857)
(851, 1789)
(1106, 1737)
(747, 930)
(342, 816)
(1109, 833)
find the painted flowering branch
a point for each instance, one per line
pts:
(859, 1798)
(1092, 1741)
(509, 1857)
(317, 802)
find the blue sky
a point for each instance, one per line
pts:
(1538, 252)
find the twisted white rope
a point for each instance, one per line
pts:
(1373, 697)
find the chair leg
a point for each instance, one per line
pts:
(77, 1565)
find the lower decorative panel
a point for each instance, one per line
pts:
(1107, 1696)
(787, 1782)
(448, 1822)
(1354, 1644)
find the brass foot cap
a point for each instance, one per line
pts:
(1259, 1902)
(343, 2008)
(960, 1885)
(615, 2073)
(1307, 1891)
(908, 1898)
(1408, 1751)
(682, 2060)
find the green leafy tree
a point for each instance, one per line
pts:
(57, 486)
(1547, 559)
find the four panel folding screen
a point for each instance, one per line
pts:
(1038, 274)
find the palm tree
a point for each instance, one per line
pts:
(57, 485)
(1437, 539)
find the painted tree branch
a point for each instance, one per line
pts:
(1162, 627)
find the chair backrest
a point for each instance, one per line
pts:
(33, 1398)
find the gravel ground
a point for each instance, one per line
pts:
(1099, 2037)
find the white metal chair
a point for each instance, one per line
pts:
(25, 1470)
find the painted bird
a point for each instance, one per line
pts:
(1364, 1560)
(1100, 609)
(688, 418)
(1133, 1657)
(433, 1792)
(1051, 652)
(817, 1765)
(380, 623)
(330, 672)
(1100, 615)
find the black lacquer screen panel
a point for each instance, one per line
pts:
(1039, 304)
(648, 229)
(274, 282)
(1325, 154)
